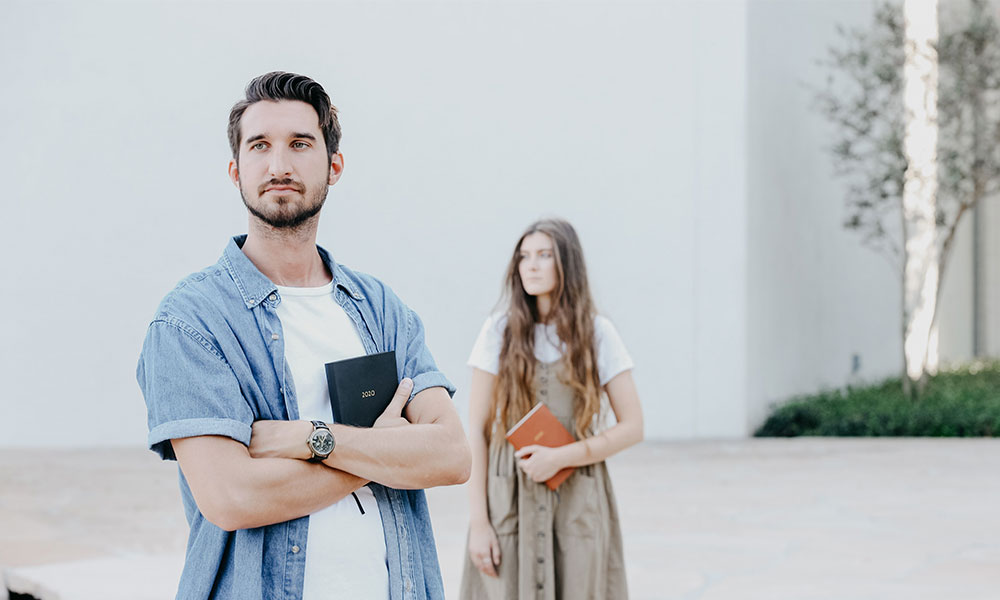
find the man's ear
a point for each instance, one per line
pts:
(336, 167)
(234, 173)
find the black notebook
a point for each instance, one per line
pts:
(361, 388)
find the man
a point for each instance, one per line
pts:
(282, 503)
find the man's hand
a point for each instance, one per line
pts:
(392, 416)
(540, 463)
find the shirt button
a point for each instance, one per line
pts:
(295, 549)
(273, 297)
(543, 392)
(409, 585)
(274, 336)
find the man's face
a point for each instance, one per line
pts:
(283, 173)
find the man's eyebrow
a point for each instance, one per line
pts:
(296, 135)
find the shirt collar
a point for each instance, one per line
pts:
(255, 287)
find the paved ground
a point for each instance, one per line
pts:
(802, 519)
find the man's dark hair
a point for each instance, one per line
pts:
(279, 85)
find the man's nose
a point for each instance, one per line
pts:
(280, 164)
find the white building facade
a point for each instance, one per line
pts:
(676, 136)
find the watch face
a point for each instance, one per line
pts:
(321, 442)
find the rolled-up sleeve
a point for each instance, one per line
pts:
(418, 364)
(189, 388)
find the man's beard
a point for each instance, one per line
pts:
(286, 216)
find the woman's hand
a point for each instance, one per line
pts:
(540, 462)
(484, 549)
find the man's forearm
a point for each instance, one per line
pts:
(426, 448)
(280, 489)
(413, 456)
(235, 491)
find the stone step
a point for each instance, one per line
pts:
(108, 578)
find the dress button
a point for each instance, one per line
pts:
(545, 379)
(295, 549)
(541, 507)
(541, 560)
(541, 586)
(542, 392)
(274, 336)
(541, 534)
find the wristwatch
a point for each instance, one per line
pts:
(320, 442)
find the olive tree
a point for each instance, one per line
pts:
(863, 98)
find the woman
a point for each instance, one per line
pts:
(526, 541)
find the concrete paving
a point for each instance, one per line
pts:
(800, 519)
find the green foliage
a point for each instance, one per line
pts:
(962, 402)
(863, 101)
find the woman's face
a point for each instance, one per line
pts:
(537, 265)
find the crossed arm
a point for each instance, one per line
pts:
(237, 487)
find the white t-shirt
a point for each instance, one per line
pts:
(612, 357)
(345, 551)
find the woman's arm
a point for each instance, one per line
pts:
(541, 463)
(484, 550)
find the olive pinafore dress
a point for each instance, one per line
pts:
(554, 545)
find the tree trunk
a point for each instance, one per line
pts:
(980, 151)
(920, 249)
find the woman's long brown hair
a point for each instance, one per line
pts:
(572, 312)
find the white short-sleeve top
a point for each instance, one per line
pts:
(612, 357)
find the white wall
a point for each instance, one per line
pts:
(816, 296)
(720, 205)
(462, 123)
(991, 279)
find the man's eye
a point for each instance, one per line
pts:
(258, 146)
(300, 145)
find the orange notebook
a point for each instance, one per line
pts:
(541, 427)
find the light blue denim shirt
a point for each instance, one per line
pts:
(213, 362)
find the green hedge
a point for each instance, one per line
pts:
(960, 402)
